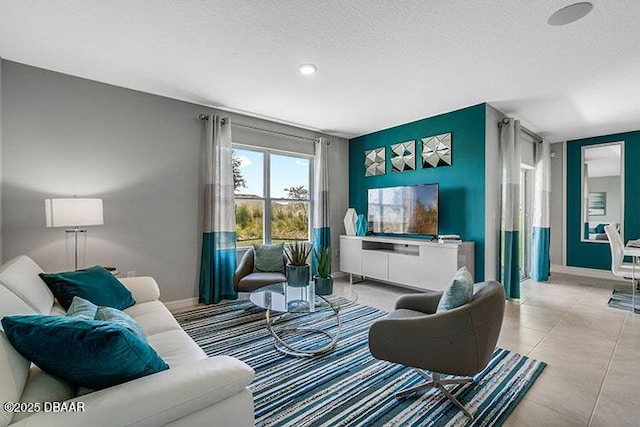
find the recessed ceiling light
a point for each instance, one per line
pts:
(308, 69)
(569, 14)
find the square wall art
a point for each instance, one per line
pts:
(436, 151)
(374, 162)
(403, 156)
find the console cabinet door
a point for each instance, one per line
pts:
(437, 267)
(351, 256)
(404, 269)
(375, 265)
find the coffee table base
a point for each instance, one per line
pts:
(280, 333)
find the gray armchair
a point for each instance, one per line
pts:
(245, 280)
(457, 342)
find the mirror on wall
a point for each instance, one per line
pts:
(602, 190)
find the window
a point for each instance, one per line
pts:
(272, 196)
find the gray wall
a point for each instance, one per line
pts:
(1, 65)
(141, 153)
(556, 221)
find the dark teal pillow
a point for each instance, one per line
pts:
(87, 353)
(459, 292)
(268, 258)
(94, 284)
(600, 228)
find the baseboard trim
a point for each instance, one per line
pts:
(181, 303)
(585, 272)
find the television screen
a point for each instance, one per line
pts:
(405, 210)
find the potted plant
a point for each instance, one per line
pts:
(298, 268)
(323, 280)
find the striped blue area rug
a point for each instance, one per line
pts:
(348, 387)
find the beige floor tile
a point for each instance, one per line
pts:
(612, 412)
(565, 396)
(532, 414)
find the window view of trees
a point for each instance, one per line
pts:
(282, 217)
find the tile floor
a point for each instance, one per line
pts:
(592, 351)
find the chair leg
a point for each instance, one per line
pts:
(434, 381)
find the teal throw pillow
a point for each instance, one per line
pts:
(268, 258)
(87, 310)
(94, 284)
(110, 314)
(87, 353)
(600, 228)
(80, 307)
(459, 292)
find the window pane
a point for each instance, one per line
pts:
(289, 221)
(289, 177)
(249, 221)
(248, 173)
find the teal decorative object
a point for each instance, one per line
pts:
(362, 225)
(94, 284)
(87, 353)
(298, 275)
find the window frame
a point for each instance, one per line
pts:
(266, 198)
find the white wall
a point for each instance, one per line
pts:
(141, 153)
(556, 202)
(492, 194)
(1, 65)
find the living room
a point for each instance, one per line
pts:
(104, 101)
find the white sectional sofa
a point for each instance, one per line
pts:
(196, 391)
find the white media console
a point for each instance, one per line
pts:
(414, 263)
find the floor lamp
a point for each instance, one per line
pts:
(74, 213)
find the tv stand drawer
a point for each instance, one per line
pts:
(375, 264)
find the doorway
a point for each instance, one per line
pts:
(525, 221)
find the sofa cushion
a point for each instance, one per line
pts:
(459, 292)
(176, 347)
(20, 276)
(153, 317)
(42, 387)
(83, 352)
(94, 284)
(268, 258)
(14, 371)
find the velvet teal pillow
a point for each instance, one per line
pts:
(94, 284)
(268, 258)
(87, 353)
(459, 292)
(110, 314)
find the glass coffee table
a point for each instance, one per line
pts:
(284, 303)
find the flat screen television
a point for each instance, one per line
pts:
(411, 209)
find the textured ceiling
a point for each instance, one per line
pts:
(381, 63)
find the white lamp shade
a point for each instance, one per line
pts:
(73, 212)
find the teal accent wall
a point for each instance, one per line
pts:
(461, 186)
(595, 255)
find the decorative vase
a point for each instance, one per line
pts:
(350, 222)
(298, 275)
(362, 226)
(324, 286)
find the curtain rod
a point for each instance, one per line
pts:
(205, 117)
(535, 136)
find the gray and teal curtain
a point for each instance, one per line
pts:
(321, 224)
(218, 260)
(510, 206)
(541, 238)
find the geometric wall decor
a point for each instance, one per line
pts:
(403, 156)
(374, 162)
(436, 151)
(350, 222)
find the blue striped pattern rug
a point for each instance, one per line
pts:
(348, 387)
